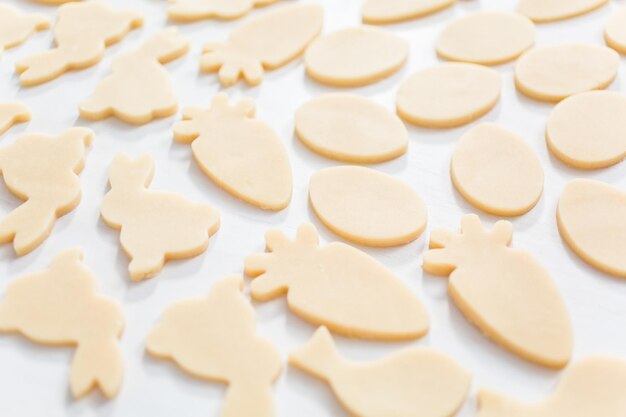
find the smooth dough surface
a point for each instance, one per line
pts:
(60, 306)
(244, 156)
(588, 130)
(11, 113)
(486, 37)
(43, 172)
(448, 95)
(267, 41)
(414, 381)
(366, 206)
(550, 10)
(495, 170)
(355, 56)
(592, 220)
(615, 31)
(390, 11)
(351, 128)
(16, 27)
(505, 292)
(590, 387)
(191, 10)
(337, 286)
(154, 226)
(214, 338)
(554, 72)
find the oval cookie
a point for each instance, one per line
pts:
(554, 72)
(366, 206)
(615, 31)
(389, 11)
(496, 171)
(592, 220)
(350, 128)
(355, 56)
(550, 10)
(448, 95)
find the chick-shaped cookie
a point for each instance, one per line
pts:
(190, 10)
(82, 33)
(214, 338)
(243, 155)
(139, 88)
(590, 387)
(155, 225)
(11, 113)
(413, 382)
(16, 27)
(268, 41)
(42, 171)
(336, 286)
(60, 307)
(505, 292)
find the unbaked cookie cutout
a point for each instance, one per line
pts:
(16, 27)
(591, 217)
(495, 170)
(154, 225)
(192, 10)
(350, 128)
(542, 11)
(355, 56)
(366, 206)
(414, 381)
(505, 292)
(448, 95)
(391, 11)
(554, 72)
(336, 286)
(12, 113)
(60, 307)
(615, 31)
(588, 130)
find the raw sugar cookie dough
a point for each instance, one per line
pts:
(486, 37)
(414, 381)
(554, 72)
(591, 216)
(588, 130)
(12, 113)
(615, 31)
(192, 10)
(366, 206)
(542, 11)
(355, 56)
(350, 128)
(390, 11)
(16, 27)
(448, 95)
(495, 170)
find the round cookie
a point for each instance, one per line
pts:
(615, 31)
(390, 11)
(448, 95)
(588, 130)
(550, 10)
(486, 37)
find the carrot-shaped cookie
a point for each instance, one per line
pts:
(42, 171)
(11, 113)
(503, 291)
(190, 10)
(60, 306)
(337, 286)
(16, 27)
(214, 338)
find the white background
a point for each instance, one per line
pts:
(34, 379)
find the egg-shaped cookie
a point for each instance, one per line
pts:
(592, 220)
(355, 56)
(390, 11)
(550, 10)
(366, 206)
(350, 128)
(615, 31)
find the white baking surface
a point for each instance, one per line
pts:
(34, 379)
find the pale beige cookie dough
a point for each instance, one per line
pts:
(42, 171)
(60, 307)
(355, 56)
(82, 33)
(588, 130)
(591, 216)
(351, 128)
(486, 37)
(267, 41)
(505, 292)
(154, 225)
(615, 31)
(495, 170)
(139, 88)
(591, 387)
(336, 286)
(191, 10)
(542, 11)
(16, 27)
(448, 95)
(390, 11)
(416, 381)
(366, 206)
(12, 113)
(214, 338)
(242, 155)
(554, 72)
(54, 2)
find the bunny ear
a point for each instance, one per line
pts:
(275, 239)
(502, 232)
(470, 225)
(307, 234)
(439, 238)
